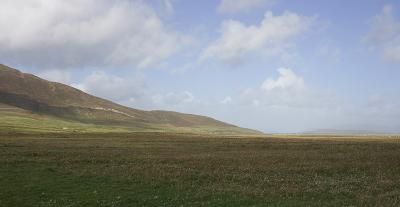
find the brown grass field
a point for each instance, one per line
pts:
(162, 169)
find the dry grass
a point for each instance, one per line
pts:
(156, 169)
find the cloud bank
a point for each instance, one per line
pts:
(288, 90)
(272, 37)
(132, 91)
(84, 33)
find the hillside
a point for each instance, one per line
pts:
(36, 96)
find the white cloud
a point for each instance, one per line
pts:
(56, 76)
(287, 80)
(115, 88)
(169, 8)
(132, 91)
(79, 33)
(173, 99)
(286, 91)
(384, 34)
(238, 6)
(226, 100)
(272, 37)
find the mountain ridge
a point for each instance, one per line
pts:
(37, 95)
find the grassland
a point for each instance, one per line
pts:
(13, 119)
(164, 169)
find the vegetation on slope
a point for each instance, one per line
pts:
(16, 120)
(56, 100)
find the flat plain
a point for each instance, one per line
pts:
(169, 169)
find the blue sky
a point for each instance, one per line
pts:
(273, 65)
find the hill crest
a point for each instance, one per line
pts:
(34, 94)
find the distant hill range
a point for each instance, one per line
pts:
(352, 132)
(36, 98)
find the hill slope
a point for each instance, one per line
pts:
(34, 95)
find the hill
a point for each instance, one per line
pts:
(28, 96)
(351, 132)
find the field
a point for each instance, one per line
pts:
(15, 119)
(166, 169)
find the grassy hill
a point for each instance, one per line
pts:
(27, 102)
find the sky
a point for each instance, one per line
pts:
(278, 66)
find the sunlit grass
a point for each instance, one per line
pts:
(20, 121)
(166, 169)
